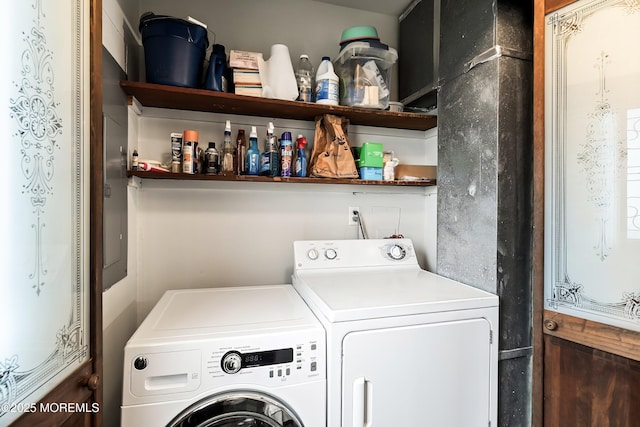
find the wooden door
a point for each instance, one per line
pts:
(51, 343)
(586, 352)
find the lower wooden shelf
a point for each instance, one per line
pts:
(253, 178)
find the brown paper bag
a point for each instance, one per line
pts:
(331, 156)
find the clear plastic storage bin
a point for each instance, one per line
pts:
(364, 69)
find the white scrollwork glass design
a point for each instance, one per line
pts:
(43, 186)
(592, 161)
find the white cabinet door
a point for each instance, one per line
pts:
(425, 375)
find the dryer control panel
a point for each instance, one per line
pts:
(318, 254)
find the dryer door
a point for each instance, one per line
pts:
(401, 376)
(234, 409)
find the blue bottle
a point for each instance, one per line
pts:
(301, 157)
(253, 153)
(217, 69)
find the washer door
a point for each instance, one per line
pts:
(237, 409)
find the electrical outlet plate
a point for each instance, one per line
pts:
(353, 219)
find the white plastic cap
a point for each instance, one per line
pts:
(270, 128)
(227, 126)
(254, 132)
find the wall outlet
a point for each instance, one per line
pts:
(353, 215)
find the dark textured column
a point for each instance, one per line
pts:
(485, 174)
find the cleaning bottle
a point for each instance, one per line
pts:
(286, 152)
(241, 152)
(301, 156)
(253, 153)
(269, 160)
(228, 152)
(326, 83)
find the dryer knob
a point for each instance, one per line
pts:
(231, 362)
(312, 254)
(330, 253)
(396, 252)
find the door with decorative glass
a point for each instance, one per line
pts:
(49, 362)
(592, 211)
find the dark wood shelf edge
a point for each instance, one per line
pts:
(251, 178)
(163, 96)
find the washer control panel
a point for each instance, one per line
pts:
(232, 361)
(266, 365)
(317, 254)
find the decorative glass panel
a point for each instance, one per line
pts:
(43, 181)
(592, 237)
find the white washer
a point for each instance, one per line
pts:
(237, 356)
(405, 347)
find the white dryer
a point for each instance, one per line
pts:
(405, 347)
(239, 356)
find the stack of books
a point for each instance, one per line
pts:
(246, 74)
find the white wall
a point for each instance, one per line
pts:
(201, 234)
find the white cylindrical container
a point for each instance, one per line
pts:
(282, 79)
(327, 83)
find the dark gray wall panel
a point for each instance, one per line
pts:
(467, 177)
(514, 392)
(467, 29)
(515, 201)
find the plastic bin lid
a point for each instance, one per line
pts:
(367, 50)
(361, 32)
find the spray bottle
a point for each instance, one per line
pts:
(301, 156)
(253, 153)
(270, 158)
(228, 151)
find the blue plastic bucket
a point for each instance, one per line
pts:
(174, 50)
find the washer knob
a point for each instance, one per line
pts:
(330, 253)
(396, 252)
(313, 254)
(231, 362)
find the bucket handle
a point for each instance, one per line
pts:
(210, 48)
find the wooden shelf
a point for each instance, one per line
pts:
(252, 178)
(162, 96)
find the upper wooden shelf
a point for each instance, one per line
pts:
(162, 96)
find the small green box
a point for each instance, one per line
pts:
(371, 155)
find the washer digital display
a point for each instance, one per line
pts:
(265, 358)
